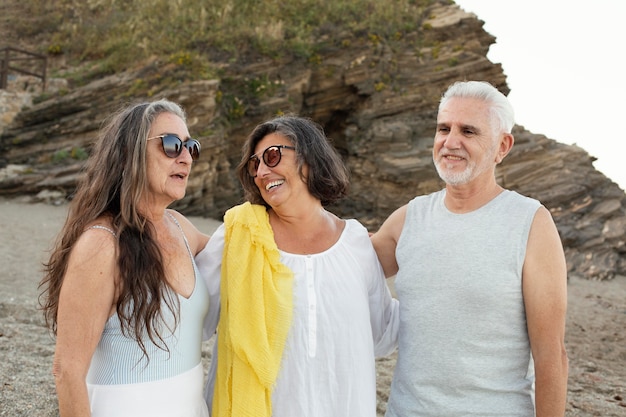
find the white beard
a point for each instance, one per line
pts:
(455, 178)
(472, 170)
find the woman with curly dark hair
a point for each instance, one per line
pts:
(304, 304)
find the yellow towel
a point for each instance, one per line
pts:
(255, 316)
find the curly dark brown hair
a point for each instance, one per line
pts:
(328, 177)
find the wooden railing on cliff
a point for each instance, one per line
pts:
(36, 64)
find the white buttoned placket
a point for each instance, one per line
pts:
(312, 305)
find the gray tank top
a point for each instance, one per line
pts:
(463, 344)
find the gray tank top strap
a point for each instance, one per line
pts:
(97, 226)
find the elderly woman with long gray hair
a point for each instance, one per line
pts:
(122, 292)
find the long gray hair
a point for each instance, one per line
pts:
(112, 186)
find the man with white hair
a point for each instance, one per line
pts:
(480, 276)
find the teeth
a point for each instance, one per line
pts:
(273, 184)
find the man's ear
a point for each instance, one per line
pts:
(506, 143)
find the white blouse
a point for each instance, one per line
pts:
(343, 318)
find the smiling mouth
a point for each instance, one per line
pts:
(273, 184)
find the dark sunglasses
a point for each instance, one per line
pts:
(271, 157)
(173, 145)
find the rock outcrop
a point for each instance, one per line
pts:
(377, 101)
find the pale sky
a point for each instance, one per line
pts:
(565, 62)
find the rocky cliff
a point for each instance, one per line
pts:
(377, 101)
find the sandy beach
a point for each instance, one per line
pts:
(596, 326)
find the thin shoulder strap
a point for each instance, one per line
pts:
(97, 226)
(181, 231)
